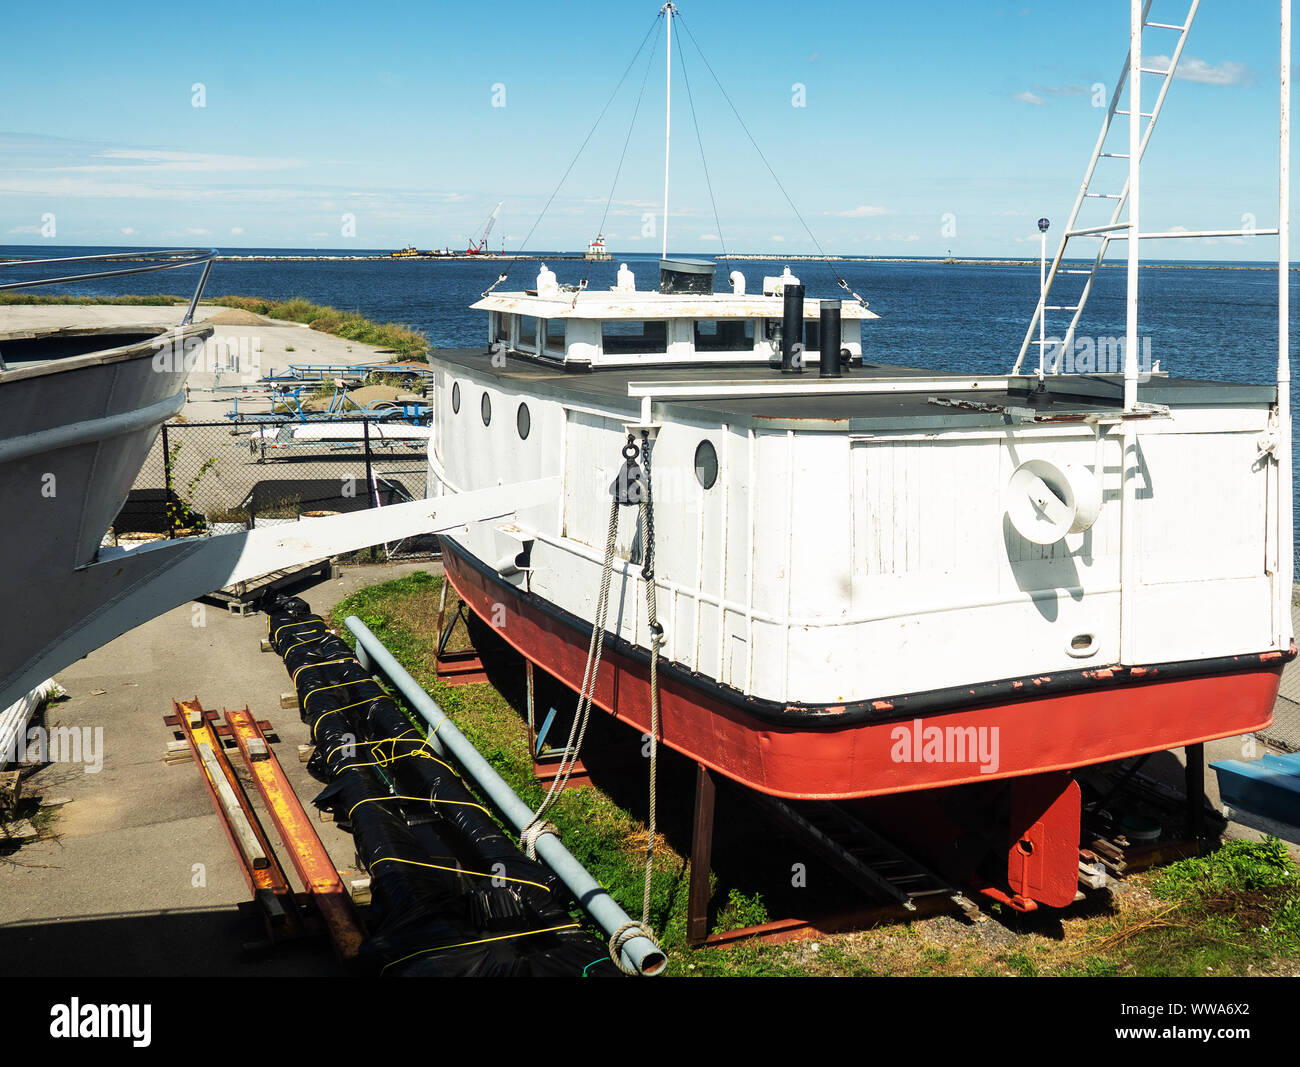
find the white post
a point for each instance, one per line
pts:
(1134, 176)
(668, 10)
(1042, 299)
(1285, 529)
(1128, 571)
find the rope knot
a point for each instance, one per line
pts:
(528, 837)
(627, 932)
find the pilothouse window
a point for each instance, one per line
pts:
(555, 334)
(501, 327)
(724, 335)
(620, 337)
(528, 333)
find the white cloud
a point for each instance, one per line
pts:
(197, 231)
(862, 211)
(1064, 90)
(236, 231)
(26, 229)
(1194, 69)
(777, 237)
(140, 160)
(128, 230)
(708, 237)
(913, 237)
(1027, 97)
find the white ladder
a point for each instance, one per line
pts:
(1115, 228)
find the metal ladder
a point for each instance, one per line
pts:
(866, 858)
(1112, 230)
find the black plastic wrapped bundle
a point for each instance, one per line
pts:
(451, 893)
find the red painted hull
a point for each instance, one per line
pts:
(862, 759)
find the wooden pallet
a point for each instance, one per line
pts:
(245, 597)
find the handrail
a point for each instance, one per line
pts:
(171, 259)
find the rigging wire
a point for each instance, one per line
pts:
(622, 158)
(813, 237)
(690, 99)
(581, 148)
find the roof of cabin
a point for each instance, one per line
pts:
(947, 404)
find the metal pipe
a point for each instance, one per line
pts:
(792, 330)
(830, 339)
(639, 953)
(667, 10)
(1135, 146)
(1285, 529)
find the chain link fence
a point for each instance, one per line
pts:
(211, 478)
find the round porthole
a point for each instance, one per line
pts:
(455, 398)
(523, 422)
(706, 464)
(485, 409)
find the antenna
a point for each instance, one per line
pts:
(668, 10)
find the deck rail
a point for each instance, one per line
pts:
(153, 260)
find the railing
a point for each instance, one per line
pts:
(161, 259)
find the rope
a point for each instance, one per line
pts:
(482, 941)
(656, 633)
(454, 870)
(578, 730)
(534, 830)
(621, 159)
(704, 163)
(811, 236)
(581, 148)
(627, 932)
(537, 826)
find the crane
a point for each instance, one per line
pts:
(481, 246)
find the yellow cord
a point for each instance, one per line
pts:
(322, 663)
(482, 941)
(424, 800)
(366, 744)
(456, 870)
(338, 685)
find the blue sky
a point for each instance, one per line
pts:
(924, 127)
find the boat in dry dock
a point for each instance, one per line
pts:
(858, 580)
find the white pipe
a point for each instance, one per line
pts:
(668, 10)
(1128, 578)
(1134, 179)
(639, 953)
(1042, 302)
(1285, 530)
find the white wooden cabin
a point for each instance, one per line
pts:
(836, 541)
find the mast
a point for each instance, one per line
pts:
(668, 11)
(1285, 529)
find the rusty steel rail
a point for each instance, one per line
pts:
(319, 876)
(262, 871)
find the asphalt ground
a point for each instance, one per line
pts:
(139, 877)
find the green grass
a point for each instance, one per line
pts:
(603, 837)
(1235, 911)
(404, 342)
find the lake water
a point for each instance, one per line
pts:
(1213, 321)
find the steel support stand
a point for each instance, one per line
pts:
(697, 911)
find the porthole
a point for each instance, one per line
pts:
(523, 422)
(706, 464)
(455, 398)
(485, 409)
